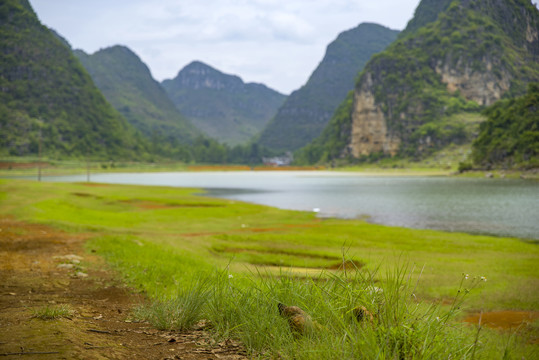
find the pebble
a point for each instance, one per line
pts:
(65, 266)
(81, 274)
(70, 257)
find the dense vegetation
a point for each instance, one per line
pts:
(469, 38)
(46, 94)
(426, 12)
(128, 85)
(48, 100)
(328, 146)
(510, 136)
(207, 150)
(222, 106)
(307, 111)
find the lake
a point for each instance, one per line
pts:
(503, 207)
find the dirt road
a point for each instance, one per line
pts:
(42, 267)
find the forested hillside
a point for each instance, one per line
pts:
(46, 93)
(129, 86)
(510, 136)
(413, 98)
(307, 111)
(222, 106)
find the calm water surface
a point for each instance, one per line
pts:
(508, 207)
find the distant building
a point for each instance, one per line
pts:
(276, 161)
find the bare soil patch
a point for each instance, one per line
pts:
(348, 265)
(145, 204)
(505, 320)
(16, 165)
(41, 267)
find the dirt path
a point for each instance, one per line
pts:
(39, 267)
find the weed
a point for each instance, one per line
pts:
(399, 327)
(52, 312)
(180, 312)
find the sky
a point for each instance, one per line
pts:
(275, 42)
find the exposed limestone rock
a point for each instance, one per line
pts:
(369, 128)
(479, 51)
(532, 34)
(483, 87)
(370, 132)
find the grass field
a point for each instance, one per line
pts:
(231, 263)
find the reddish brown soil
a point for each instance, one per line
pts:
(504, 319)
(247, 168)
(349, 265)
(254, 230)
(16, 165)
(99, 326)
(149, 205)
(218, 167)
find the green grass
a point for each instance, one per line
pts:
(440, 162)
(49, 312)
(56, 167)
(179, 312)
(231, 263)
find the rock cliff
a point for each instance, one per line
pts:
(483, 87)
(469, 57)
(307, 111)
(426, 90)
(369, 127)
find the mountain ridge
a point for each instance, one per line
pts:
(127, 83)
(307, 110)
(405, 98)
(222, 105)
(48, 98)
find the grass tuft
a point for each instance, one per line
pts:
(398, 326)
(52, 312)
(180, 312)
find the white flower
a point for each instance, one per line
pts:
(483, 278)
(230, 276)
(466, 277)
(375, 290)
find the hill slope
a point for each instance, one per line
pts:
(471, 55)
(45, 89)
(307, 111)
(221, 105)
(510, 136)
(128, 85)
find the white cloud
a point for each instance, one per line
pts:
(276, 42)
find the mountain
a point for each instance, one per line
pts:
(45, 92)
(454, 58)
(426, 12)
(129, 86)
(221, 105)
(307, 111)
(510, 136)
